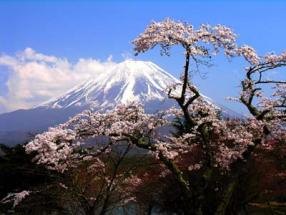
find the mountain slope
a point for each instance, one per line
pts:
(126, 82)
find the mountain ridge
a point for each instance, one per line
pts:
(126, 82)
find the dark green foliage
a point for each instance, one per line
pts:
(18, 172)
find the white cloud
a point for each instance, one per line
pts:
(35, 78)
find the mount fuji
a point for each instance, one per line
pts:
(140, 81)
(126, 82)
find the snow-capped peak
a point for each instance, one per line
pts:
(127, 81)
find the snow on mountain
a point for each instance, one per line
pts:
(126, 82)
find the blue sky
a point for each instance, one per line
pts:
(97, 29)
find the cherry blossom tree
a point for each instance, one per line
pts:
(269, 114)
(267, 109)
(220, 147)
(258, 75)
(222, 142)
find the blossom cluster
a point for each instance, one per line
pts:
(53, 147)
(249, 54)
(169, 32)
(15, 198)
(61, 147)
(228, 138)
(274, 59)
(252, 57)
